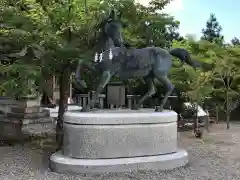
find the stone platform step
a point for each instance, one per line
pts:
(15, 130)
(39, 130)
(33, 109)
(35, 115)
(42, 120)
(61, 163)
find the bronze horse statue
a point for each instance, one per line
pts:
(147, 63)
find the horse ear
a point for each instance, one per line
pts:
(112, 14)
(120, 15)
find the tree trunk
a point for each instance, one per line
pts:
(227, 110)
(228, 120)
(63, 90)
(85, 6)
(195, 124)
(206, 121)
(217, 114)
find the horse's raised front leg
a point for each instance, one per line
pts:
(166, 83)
(105, 78)
(151, 91)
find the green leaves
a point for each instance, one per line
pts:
(219, 80)
(212, 32)
(197, 83)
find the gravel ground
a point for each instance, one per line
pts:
(215, 159)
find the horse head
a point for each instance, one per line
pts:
(110, 30)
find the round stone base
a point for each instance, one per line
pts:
(119, 133)
(64, 164)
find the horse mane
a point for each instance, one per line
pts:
(100, 38)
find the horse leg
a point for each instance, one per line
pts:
(105, 78)
(151, 91)
(166, 83)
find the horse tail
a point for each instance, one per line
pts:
(184, 56)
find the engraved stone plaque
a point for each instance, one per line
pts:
(116, 94)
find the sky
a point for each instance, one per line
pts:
(193, 15)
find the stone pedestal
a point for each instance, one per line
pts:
(119, 141)
(20, 115)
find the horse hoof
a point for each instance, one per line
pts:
(135, 107)
(158, 109)
(98, 105)
(85, 109)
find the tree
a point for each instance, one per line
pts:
(68, 42)
(227, 78)
(18, 46)
(212, 32)
(235, 41)
(62, 31)
(201, 51)
(196, 84)
(148, 23)
(223, 74)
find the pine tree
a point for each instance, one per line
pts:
(235, 41)
(18, 46)
(212, 32)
